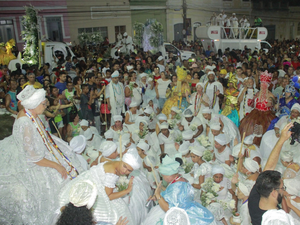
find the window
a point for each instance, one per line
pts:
(119, 30)
(102, 30)
(298, 29)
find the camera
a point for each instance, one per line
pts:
(295, 133)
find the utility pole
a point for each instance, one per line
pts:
(184, 8)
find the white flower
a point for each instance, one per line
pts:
(232, 204)
(215, 189)
(193, 127)
(208, 201)
(210, 195)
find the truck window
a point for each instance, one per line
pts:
(171, 49)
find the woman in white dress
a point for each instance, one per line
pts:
(118, 129)
(202, 169)
(109, 206)
(166, 140)
(198, 100)
(34, 165)
(131, 115)
(222, 152)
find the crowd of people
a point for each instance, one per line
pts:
(141, 140)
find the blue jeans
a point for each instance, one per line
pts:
(161, 102)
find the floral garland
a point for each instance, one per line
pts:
(30, 36)
(138, 33)
(85, 38)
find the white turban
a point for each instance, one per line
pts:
(30, 97)
(88, 134)
(150, 160)
(164, 125)
(125, 139)
(286, 156)
(148, 110)
(245, 187)
(206, 110)
(221, 139)
(117, 118)
(296, 106)
(109, 134)
(176, 215)
(292, 186)
(84, 123)
(160, 58)
(125, 34)
(188, 113)
(162, 117)
(211, 72)
(236, 150)
(184, 148)
(199, 150)
(201, 84)
(217, 169)
(175, 109)
(143, 75)
(115, 74)
(215, 126)
(208, 68)
(133, 104)
(132, 158)
(274, 216)
(143, 145)
(129, 68)
(83, 193)
(78, 144)
(251, 165)
(249, 139)
(187, 135)
(108, 148)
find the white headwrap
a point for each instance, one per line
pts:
(148, 110)
(83, 193)
(286, 156)
(211, 72)
(132, 158)
(206, 110)
(236, 150)
(117, 118)
(129, 68)
(184, 148)
(133, 104)
(30, 97)
(187, 135)
(125, 139)
(221, 139)
(109, 134)
(251, 165)
(199, 150)
(150, 160)
(215, 126)
(175, 109)
(88, 134)
(274, 216)
(217, 169)
(143, 145)
(296, 106)
(249, 139)
(115, 74)
(201, 84)
(78, 144)
(208, 68)
(176, 215)
(143, 75)
(292, 186)
(164, 125)
(84, 123)
(188, 113)
(108, 148)
(162, 117)
(245, 187)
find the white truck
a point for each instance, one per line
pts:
(49, 51)
(218, 37)
(167, 48)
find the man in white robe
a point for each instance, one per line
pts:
(128, 43)
(115, 96)
(213, 89)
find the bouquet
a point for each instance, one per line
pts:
(172, 123)
(210, 189)
(193, 127)
(207, 155)
(151, 116)
(179, 138)
(187, 166)
(204, 141)
(227, 204)
(122, 183)
(144, 133)
(177, 116)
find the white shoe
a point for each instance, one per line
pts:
(104, 123)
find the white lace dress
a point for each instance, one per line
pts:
(29, 192)
(103, 209)
(203, 170)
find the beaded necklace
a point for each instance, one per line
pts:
(49, 141)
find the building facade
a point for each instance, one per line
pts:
(53, 21)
